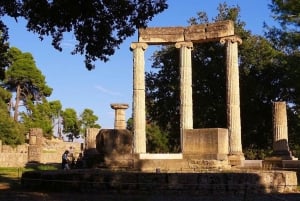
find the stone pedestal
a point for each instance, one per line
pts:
(115, 148)
(120, 120)
(206, 144)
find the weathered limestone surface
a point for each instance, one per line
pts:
(194, 33)
(50, 151)
(115, 147)
(158, 35)
(90, 138)
(281, 150)
(233, 97)
(120, 118)
(35, 142)
(139, 114)
(197, 183)
(280, 128)
(207, 143)
(186, 97)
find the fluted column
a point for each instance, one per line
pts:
(139, 115)
(120, 119)
(280, 129)
(233, 95)
(186, 99)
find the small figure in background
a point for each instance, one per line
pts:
(65, 160)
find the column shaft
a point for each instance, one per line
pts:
(233, 95)
(280, 128)
(186, 99)
(139, 115)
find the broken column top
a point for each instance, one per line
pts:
(119, 106)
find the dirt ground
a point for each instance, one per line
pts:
(16, 193)
(22, 195)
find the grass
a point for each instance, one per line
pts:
(10, 176)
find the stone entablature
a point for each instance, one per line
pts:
(195, 33)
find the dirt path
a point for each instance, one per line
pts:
(20, 195)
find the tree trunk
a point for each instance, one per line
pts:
(16, 113)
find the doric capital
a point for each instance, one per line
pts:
(117, 106)
(232, 39)
(184, 44)
(138, 45)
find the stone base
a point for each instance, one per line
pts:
(282, 155)
(179, 165)
(278, 162)
(207, 183)
(236, 159)
(206, 143)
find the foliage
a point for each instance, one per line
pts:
(254, 153)
(55, 107)
(11, 132)
(71, 124)
(98, 26)
(286, 39)
(5, 95)
(3, 48)
(88, 120)
(157, 141)
(39, 117)
(25, 79)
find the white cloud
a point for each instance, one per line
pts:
(107, 91)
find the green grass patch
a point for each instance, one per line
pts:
(12, 175)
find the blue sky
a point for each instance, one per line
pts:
(111, 82)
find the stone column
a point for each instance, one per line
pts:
(35, 145)
(120, 121)
(233, 98)
(186, 99)
(280, 131)
(90, 138)
(139, 114)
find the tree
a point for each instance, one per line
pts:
(39, 116)
(88, 120)
(56, 109)
(156, 139)
(25, 79)
(71, 124)
(11, 132)
(98, 26)
(286, 39)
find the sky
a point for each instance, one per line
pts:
(111, 82)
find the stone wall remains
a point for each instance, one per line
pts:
(50, 152)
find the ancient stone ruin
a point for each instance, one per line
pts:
(183, 38)
(205, 152)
